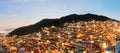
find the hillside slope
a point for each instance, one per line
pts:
(57, 22)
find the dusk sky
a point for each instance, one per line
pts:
(17, 13)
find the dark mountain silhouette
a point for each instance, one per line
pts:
(57, 22)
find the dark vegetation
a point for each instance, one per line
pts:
(57, 22)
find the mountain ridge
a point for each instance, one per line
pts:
(56, 22)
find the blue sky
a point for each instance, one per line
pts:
(17, 13)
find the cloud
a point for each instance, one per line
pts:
(7, 30)
(2, 32)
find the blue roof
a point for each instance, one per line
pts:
(110, 48)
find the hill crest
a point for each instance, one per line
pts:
(56, 22)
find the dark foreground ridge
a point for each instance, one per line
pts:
(57, 22)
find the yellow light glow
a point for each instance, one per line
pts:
(104, 45)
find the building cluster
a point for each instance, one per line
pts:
(76, 37)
